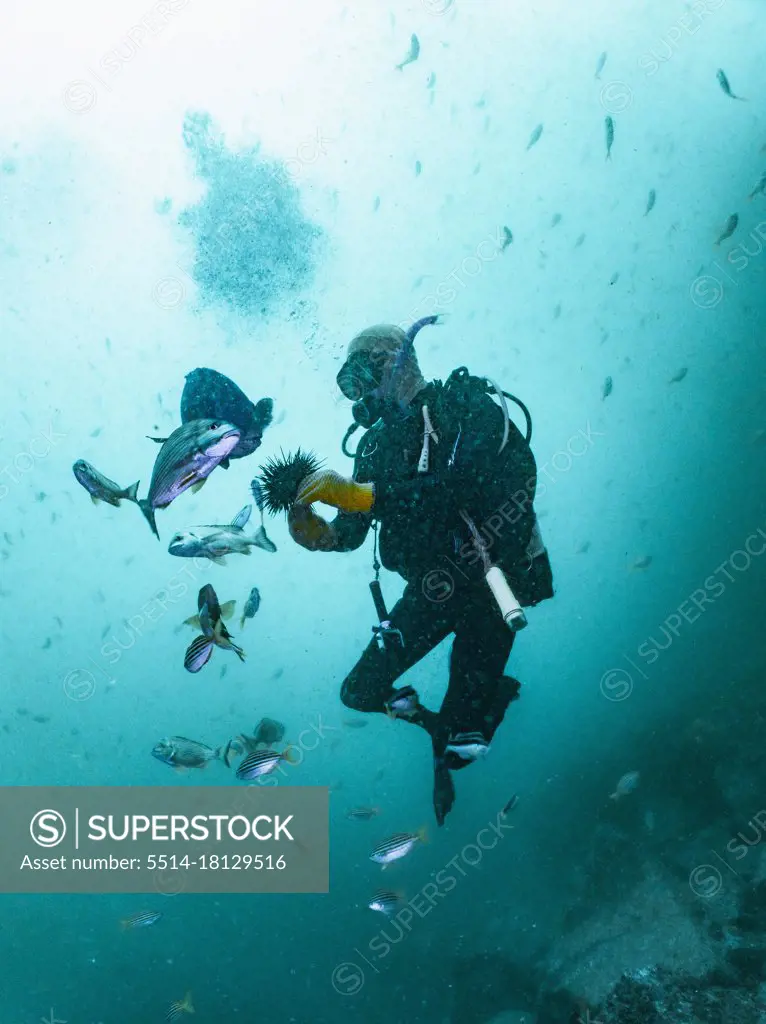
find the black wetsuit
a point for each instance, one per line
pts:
(424, 538)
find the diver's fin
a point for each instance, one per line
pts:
(131, 493)
(198, 486)
(146, 507)
(227, 609)
(242, 518)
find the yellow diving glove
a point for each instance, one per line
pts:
(339, 491)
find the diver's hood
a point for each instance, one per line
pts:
(375, 365)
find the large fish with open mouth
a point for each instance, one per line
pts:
(186, 459)
(208, 394)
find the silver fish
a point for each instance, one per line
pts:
(507, 239)
(679, 376)
(729, 229)
(609, 128)
(362, 813)
(100, 487)
(186, 459)
(535, 137)
(627, 784)
(600, 64)
(180, 752)
(760, 188)
(222, 541)
(723, 81)
(650, 202)
(607, 388)
(413, 54)
(396, 847)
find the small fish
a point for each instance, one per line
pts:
(728, 231)
(363, 813)
(679, 376)
(263, 762)
(580, 240)
(144, 919)
(584, 548)
(535, 137)
(100, 487)
(555, 219)
(431, 80)
(186, 459)
(418, 168)
(760, 188)
(507, 239)
(259, 497)
(510, 805)
(41, 719)
(182, 1006)
(606, 390)
(385, 902)
(355, 723)
(650, 201)
(723, 81)
(609, 127)
(557, 311)
(627, 784)
(252, 605)
(643, 563)
(396, 847)
(376, 204)
(198, 654)
(412, 55)
(600, 64)
(41, 496)
(222, 541)
(180, 752)
(614, 278)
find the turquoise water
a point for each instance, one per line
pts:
(246, 189)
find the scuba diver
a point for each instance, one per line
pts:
(450, 481)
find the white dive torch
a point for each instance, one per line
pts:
(507, 602)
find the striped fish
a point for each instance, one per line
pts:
(385, 902)
(145, 919)
(198, 654)
(396, 847)
(180, 1006)
(186, 459)
(263, 762)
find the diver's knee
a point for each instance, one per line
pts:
(348, 695)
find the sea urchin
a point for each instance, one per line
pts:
(282, 476)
